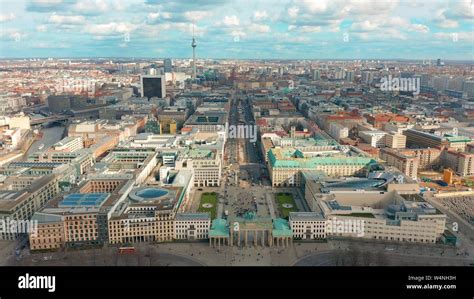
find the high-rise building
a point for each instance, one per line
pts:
(367, 77)
(440, 83)
(338, 74)
(426, 79)
(58, 103)
(168, 65)
(456, 83)
(62, 103)
(153, 86)
(350, 76)
(468, 87)
(194, 45)
(316, 75)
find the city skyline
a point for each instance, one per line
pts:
(245, 30)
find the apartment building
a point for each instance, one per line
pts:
(395, 140)
(426, 139)
(68, 144)
(374, 138)
(338, 131)
(428, 157)
(405, 162)
(462, 163)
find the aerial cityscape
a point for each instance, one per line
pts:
(236, 133)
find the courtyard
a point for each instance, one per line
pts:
(286, 204)
(208, 204)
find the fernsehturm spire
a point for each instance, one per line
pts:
(194, 54)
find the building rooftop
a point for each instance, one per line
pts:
(291, 157)
(83, 200)
(219, 228)
(281, 228)
(192, 216)
(306, 216)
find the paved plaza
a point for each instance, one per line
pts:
(330, 253)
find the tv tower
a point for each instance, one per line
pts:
(193, 44)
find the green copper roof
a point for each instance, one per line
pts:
(219, 228)
(296, 159)
(281, 228)
(458, 139)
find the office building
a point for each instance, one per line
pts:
(168, 65)
(375, 209)
(374, 138)
(395, 140)
(153, 86)
(307, 225)
(459, 162)
(286, 164)
(192, 226)
(406, 163)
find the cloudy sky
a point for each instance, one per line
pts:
(312, 29)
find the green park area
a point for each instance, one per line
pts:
(286, 204)
(209, 204)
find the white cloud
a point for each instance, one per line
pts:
(443, 22)
(153, 16)
(260, 15)
(112, 28)
(12, 34)
(43, 45)
(41, 28)
(381, 35)
(7, 17)
(259, 28)
(293, 12)
(69, 20)
(91, 7)
(387, 23)
(460, 9)
(420, 28)
(197, 15)
(230, 21)
(305, 29)
(47, 2)
(238, 33)
(369, 7)
(364, 26)
(456, 36)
